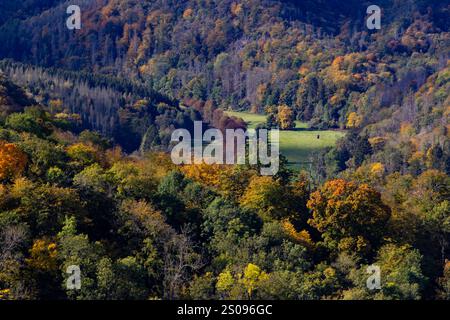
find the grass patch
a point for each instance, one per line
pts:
(298, 144)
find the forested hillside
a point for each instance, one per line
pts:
(135, 116)
(23, 9)
(319, 59)
(86, 118)
(144, 228)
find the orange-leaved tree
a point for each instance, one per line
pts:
(12, 160)
(349, 216)
(207, 174)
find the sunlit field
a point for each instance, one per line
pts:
(298, 144)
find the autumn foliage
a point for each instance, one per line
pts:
(12, 160)
(350, 216)
(86, 178)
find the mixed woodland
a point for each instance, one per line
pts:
(86, 177)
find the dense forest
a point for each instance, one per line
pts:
(86, 179)
(134, 116)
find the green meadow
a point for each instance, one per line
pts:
(296, 144)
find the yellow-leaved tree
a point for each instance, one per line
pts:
(354, 120)
(253, 278)
(266, 197)
(285, 117)
(241, 285)
(302, 237)
(43, 255)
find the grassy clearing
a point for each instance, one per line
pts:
(299, 143)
